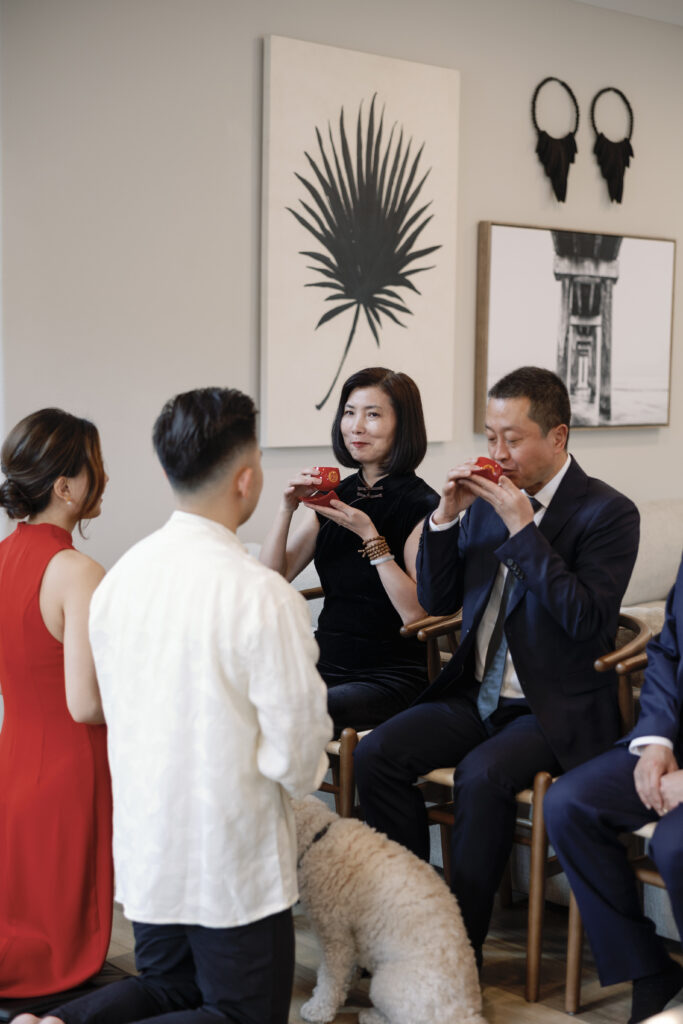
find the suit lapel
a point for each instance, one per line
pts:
(494, 532)
(566, 501)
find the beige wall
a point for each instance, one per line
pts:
(131, 190)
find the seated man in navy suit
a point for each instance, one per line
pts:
(540, 587)
(636, 782)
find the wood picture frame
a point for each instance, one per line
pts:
(596, 308)
(359, 233)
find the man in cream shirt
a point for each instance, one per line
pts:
(216, 716)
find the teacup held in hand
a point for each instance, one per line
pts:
(488, 468)
(330, 477)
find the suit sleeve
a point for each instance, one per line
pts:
(662, 693)
(580, 590)
(439, 568)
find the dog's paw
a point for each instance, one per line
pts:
(372, 1016)
(318, 1012)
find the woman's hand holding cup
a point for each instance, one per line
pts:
(306, 483)
(329, 477)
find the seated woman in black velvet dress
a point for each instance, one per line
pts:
(370, 670)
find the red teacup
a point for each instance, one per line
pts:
(330, 477)
(488, 468)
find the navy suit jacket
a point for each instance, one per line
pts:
(571, 574)
(661, 698)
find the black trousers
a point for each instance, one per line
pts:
(495, 759)
(585, 811)
(195, 975)
(365, 698)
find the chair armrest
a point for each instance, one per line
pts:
(433, 626)
(429, 630)
(639, 642)
(633, 664)
(446, 624)
(311, 593)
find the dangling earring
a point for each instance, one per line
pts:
(613, 157)
(556, 154)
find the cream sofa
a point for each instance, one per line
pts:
(659, 555)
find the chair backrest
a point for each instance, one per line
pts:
(439, 632)
(632, 637)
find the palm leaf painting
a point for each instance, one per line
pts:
(363, 210)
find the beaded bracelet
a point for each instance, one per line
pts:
(374, 547)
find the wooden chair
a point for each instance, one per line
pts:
(343, 785)
(340, 751)
(530, 823)
(647, 874)
(645, 869)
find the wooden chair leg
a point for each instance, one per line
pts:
(572, 991)
(537, 873)
(505, 887)
(348, 741)
(446, 835)
(333, 788)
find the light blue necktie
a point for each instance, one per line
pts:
(496, 652)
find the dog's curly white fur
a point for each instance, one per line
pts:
(374, 904)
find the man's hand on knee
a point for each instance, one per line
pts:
(655, 761)
(671, 787)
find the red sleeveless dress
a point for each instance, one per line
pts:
(56, 874)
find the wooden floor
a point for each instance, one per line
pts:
(502, 977)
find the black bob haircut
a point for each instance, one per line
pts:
(198, 432)
(410, 441)
(549, 404)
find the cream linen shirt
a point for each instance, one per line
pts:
(215, 713)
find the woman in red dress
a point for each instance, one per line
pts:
(55, 799)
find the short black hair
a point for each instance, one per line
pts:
(198, 432)
(410, 441)
(549, 404)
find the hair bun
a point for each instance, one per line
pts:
(13, 500)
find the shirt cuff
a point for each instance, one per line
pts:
(438, 527)
(635, 745)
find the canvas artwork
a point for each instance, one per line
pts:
(595, 308)
(359, 233)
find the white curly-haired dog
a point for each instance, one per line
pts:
(374, 904)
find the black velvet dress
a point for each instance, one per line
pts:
(370, 670)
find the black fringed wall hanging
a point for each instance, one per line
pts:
(556, 154)
(613, 157)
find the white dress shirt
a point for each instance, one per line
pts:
(215, 713)
(638, 745)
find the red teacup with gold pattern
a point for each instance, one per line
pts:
(330, 477)
(489, 468)
(326, 493)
